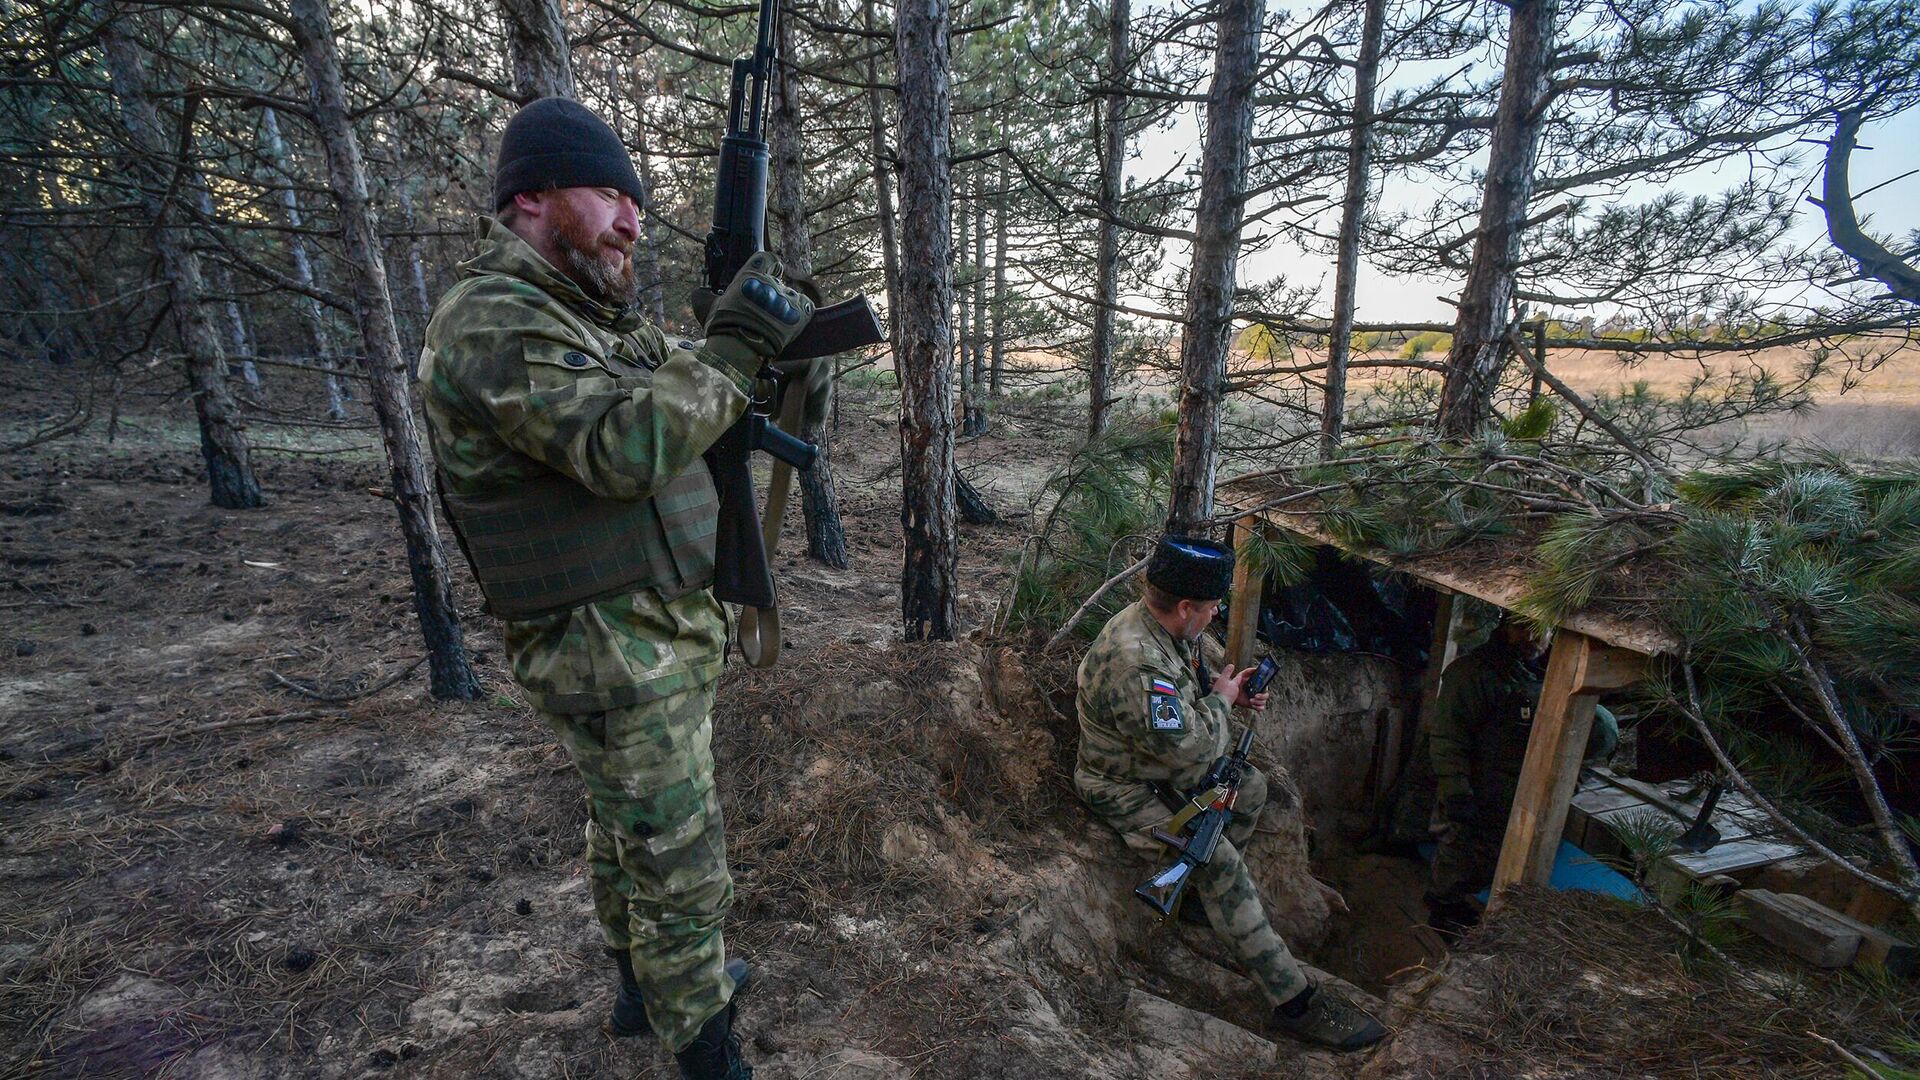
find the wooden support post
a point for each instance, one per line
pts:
(1243, 616)
(1577, 670)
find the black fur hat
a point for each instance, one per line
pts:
(557, 143)
(1191, 567)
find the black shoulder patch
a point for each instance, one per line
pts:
(575, 358)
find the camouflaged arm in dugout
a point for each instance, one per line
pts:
(622, 437)
(1449, 735)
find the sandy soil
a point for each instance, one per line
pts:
(206, 873)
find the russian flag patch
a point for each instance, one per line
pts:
(1163, 706)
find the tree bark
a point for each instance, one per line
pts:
(1479, 350)
(1353, 215)
(318, 329)
(237, 330)
(450, 674)
(819, 506)
(883, 197)
(979, 424)
(1843, 226)
(923, 332)
(1106, 285)
(223, 443)
(417, 277)
(999, 282)
(653, 292)
(962, 327)
(1216, 252)
(537, 43)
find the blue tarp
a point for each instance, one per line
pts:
(1576, 870)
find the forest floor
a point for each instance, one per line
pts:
(206, 874)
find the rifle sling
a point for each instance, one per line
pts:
(760, 626)
(1194, 808)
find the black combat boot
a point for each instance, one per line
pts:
(714, 1054)
(629, 1017)
(1326, 1019)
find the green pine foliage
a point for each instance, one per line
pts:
(1108, 504)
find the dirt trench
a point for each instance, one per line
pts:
(205, 872)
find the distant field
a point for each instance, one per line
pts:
(1879, 415)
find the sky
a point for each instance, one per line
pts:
(1893, 210)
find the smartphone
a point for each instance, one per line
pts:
(1263, 676)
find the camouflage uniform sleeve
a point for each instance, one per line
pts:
(523, 372)
(1456, 709)
(1172, 735)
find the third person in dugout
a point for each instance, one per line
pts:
(1477, 739)
(1151, 726)
(567, 435)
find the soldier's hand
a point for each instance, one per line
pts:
(815, 380)
(1232, 686)
(759, 309)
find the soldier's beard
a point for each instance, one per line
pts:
(602, 264)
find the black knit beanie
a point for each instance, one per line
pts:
(1191, 567)
(556, 143)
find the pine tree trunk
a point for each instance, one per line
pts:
(318, 328)
(653, 292)
(883, 197)
(451, 675)
(1479, 351)
(237, 330)
(1106, 284)
(820, 507)
(979, 425)
(537, 42)
(1216, 251)
(999, 282)
(1353, 215)
(223, 443)
(925, 337)
(962, 337)
(974, 508)
(417, 275)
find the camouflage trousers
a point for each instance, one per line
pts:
(656, 852)
(1226, 890)
(1465, 855)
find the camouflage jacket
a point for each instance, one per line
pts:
(523, 374)
(1143, 716)
(1481, 721)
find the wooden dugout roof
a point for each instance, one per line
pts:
(1593, 651)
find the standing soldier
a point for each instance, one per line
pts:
(1477, 738)
(568, 437)
(1151, 726)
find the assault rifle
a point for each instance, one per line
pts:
(1196, 829)
(743, 573)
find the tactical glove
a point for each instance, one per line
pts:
(1458, 809)
(759, 310)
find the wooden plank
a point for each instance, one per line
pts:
(1820, 941)
(1243, 616)
(1610, 668)
(1550, 769)
(1584, 829)
(1877, 947)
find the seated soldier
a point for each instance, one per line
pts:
(1151, 726)
(1477, 739)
